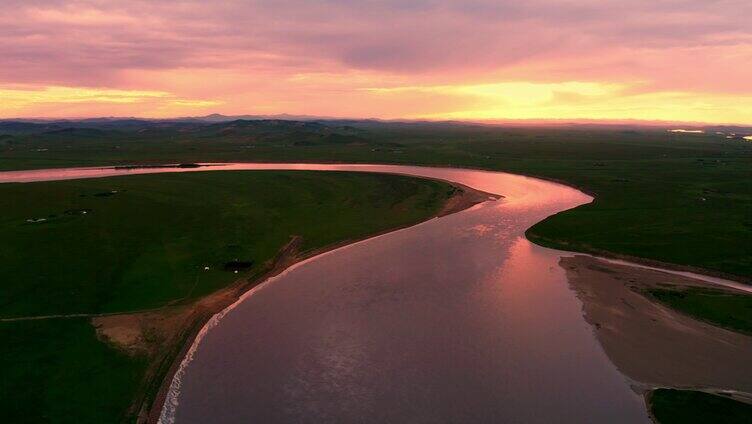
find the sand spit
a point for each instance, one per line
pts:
(651, 343)
(465, 197)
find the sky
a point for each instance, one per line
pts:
(495, 60)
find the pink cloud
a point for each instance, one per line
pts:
(686, 45)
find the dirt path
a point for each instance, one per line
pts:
(82, 315)
(41, 317)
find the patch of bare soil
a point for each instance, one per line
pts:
(651, 343)
(140, 333)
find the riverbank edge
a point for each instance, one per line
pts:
(149, 402)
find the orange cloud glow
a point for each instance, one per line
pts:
(684, 60)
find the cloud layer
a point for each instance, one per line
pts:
(386, 58)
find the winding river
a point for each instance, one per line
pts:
(459, 319)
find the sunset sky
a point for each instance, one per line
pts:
(674, 60)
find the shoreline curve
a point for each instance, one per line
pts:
(199, 326)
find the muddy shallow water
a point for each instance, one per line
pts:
(458, 319)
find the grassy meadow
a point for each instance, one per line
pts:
(671, 406)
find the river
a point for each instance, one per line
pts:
(456, 320)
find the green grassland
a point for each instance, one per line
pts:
(143, 243)
(731, 311)
(57, 371)
(670, 406)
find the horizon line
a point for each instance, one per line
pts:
(490, 122)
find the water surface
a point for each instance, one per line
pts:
(456, 320)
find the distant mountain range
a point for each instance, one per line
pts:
(37, 125)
